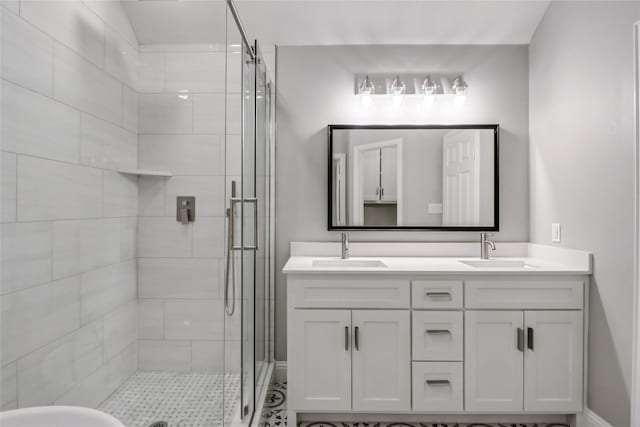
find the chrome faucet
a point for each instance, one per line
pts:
(484, 242)
(345, 245)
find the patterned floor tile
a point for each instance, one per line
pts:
(275, 415)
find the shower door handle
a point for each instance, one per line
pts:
(253, 247)
(232, 226)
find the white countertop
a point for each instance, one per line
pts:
(537, 260)
(422, 265)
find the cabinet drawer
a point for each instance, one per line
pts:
(437, 386)
(349, 293)
(436, 293)
(437, 335)
(524, 294)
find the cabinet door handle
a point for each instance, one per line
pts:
(438, 382)
(356, 337)
(346, 338)
(530, 338)
(438, 331)
(381, 191)
(520, 339)
(438, 294)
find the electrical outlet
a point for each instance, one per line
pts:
(555, 232)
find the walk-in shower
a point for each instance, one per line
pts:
(115, 293)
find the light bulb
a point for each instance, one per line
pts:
(460, 90)
(398, 88)
(429, 89)
(365, 91)
(366, 100)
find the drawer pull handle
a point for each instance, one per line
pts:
(356, 339)
(520, 339)
(438, 382)
(439, 295)
(438, 331)
(346, 338)
(530, 338)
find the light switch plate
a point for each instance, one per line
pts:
(555, 232)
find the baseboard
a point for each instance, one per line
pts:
(591, 419)
(280, 371)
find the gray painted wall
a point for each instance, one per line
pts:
(582, 171)
(315, 88)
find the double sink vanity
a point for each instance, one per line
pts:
(438, 332)
(430, 328)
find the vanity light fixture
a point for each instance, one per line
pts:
(460, 89)
(398, 88)
(421, 90)
(365, 90)
(429, 89)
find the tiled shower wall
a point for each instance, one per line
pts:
(69, 122)
(180, 267)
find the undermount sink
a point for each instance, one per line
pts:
(496, 263)
(349, 263)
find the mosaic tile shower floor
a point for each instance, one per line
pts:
(181, 399)
(275, 415)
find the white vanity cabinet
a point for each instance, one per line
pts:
(436, 344)
(524, 357)
(352, 359)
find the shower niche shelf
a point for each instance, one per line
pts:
(145, 172)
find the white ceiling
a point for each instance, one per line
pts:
(317, 22)
(312, 22)
(177, 22)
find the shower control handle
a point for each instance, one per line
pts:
(185, 209)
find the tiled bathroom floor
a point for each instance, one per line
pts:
(275, 414)
(181, 399)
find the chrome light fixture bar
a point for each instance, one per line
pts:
(409, 84)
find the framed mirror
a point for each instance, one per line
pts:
(413, 177)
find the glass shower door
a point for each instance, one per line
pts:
(249, 233)
(246, 275)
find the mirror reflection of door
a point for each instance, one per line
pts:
(465, 177)
(376, 184)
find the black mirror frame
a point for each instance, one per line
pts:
(496, 180)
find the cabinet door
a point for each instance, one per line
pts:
(322, 360)
(493, 361)
(553, 361)
(389, 174)
(381, 360)
(371, 175)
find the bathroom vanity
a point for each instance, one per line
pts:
(431, 329)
